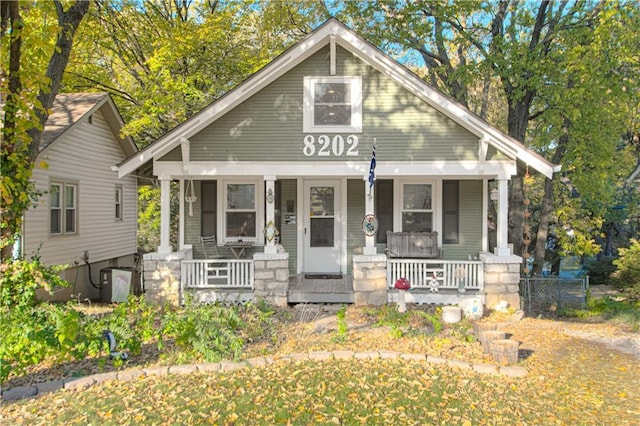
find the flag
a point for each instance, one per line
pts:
(372, 167)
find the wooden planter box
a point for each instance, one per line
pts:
(413, 245)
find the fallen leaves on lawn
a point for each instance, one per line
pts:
(570, 381)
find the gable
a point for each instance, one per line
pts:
(269, 125)
(333, 34)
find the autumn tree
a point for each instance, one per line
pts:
(163, 61)
(35, 53)
(469, 48)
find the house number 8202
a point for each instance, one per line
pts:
(325, 146)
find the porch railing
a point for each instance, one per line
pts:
(217, 274)
(437, 273)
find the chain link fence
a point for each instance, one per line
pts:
(545, 295)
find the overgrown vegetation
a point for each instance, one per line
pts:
(624, 308)
(35, 331)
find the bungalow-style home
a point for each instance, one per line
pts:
(86, 215)
(327, 176)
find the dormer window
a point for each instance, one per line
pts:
(332, 104)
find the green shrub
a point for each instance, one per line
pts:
(628, 273)
(59, 332)
(600, 271)
(207, 330)
(20, 279)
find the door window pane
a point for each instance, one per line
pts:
(322, 201)
(322, 232)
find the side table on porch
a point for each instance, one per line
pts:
(238, 247)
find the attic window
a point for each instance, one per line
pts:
(332, 104)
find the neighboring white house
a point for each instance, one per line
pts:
(85, 212)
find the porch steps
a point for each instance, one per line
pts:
(328, 290)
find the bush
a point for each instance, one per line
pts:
(206, 330)
(600, 271)
(58, 332)
(628, 273)
(20, 279)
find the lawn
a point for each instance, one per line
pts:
(572, 379)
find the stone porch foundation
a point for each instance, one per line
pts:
(501, 280)
(271, 278)
(370, 279)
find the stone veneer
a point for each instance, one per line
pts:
(501, 279)
(271, 278)
(161, 274)
(370, 279)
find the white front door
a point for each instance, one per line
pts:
(322, 226)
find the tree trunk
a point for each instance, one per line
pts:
(21, 191)
(543, 228)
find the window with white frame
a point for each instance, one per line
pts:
(118, 202)
(62, 207)
(332, 104)
(417, 207)
(241, 210)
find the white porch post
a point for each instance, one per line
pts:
(503, 219)
(182, 217)
(369, 207)
(165, 213)
(270, 196)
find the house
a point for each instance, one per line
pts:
(86, 217)
(300, 171)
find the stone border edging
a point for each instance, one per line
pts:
(80, 383)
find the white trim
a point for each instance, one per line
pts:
(258, 184)
(300, 223)
(369, 54)
(503, 169)
(485, 214)
(399, 204)
(308, 124)
(182, 221)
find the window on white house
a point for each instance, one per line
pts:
(241, 210)
(332, 104)
(62, 207)
(118, 202)
(417, 208)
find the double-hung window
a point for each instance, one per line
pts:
(332, 104)
(417, 207)
(62, 207)
(118, 202)
(241, 210)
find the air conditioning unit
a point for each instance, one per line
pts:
(115, 284)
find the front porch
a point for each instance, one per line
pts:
(435, 281)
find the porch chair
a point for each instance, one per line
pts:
(210, 245)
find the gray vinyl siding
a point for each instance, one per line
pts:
(355, 213)
(192, 225)
(288, 233)
(268, 127)
(84, 156)
(470, 222)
